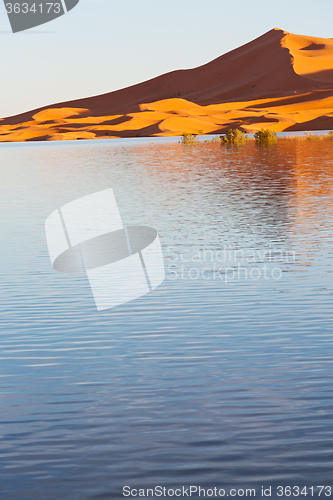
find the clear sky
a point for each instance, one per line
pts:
(104, 45)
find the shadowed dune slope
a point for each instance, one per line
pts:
(279, 80)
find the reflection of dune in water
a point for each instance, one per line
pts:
(314, 179)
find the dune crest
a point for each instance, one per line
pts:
(312, 56)
(279, 80)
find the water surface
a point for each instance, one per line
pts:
(216, 379)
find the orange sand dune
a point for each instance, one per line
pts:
(279, 81)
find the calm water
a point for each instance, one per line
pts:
(222, 377)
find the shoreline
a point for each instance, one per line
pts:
(203, 139)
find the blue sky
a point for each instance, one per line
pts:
(104, 45)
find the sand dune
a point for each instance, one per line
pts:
(279, 80)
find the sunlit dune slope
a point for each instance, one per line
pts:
(279, 81)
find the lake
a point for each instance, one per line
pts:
(222, 376)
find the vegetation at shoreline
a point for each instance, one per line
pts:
(189, 138)
(310, 136)
(235, 136)
(263, 136)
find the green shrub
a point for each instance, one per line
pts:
(233, 137)
(329, 136)
(265, 136)
(189, 138)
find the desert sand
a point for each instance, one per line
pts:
(279, 81)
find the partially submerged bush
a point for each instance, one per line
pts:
(233, 137)
(265, 136)
(319, 137)
(309, 136)
(313, 137)
(215, 139)
(189, 138)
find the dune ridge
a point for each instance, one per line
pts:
(280, 80)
